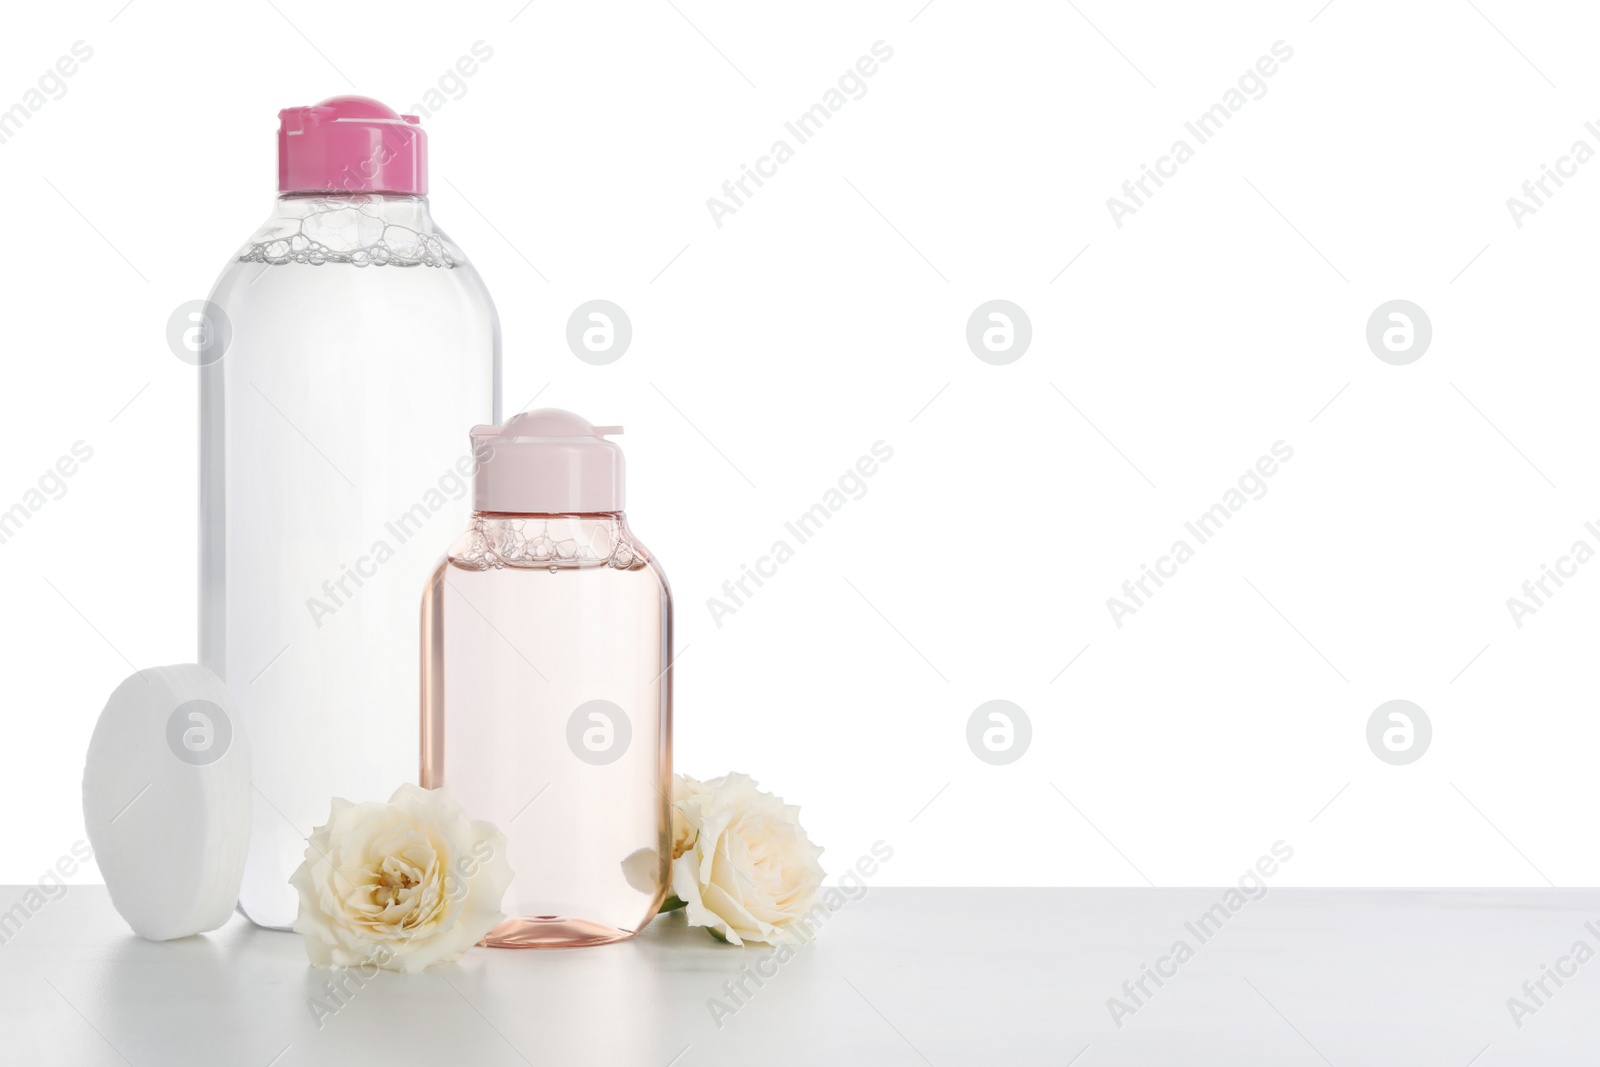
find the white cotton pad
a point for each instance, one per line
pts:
(166, 799)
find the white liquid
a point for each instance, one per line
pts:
(332, 431)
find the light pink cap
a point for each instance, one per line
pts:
(351, 144)
(547, 462)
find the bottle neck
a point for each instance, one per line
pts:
(549, 516)
(356, 198)
(392, 209)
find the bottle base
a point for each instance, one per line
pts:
(553, 931)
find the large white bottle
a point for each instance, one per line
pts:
(353, 347)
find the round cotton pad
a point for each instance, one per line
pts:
(166, 800)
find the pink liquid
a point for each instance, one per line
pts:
(546, 708)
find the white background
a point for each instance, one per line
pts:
(829, 313)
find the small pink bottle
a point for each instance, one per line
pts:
(547, 686)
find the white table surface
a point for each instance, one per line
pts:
(901, 976)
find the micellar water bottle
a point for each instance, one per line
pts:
(547, 683)
(362, 344)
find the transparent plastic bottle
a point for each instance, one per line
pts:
(361, 343)
(547, 686)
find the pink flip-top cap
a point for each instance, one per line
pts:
(351, 144)
(547, 462)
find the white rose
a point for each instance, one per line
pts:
(684, 790)
(640, 867)
(399, 885)
(751, 870)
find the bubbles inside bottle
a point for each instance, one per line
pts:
(574, 542)
(346, 230)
